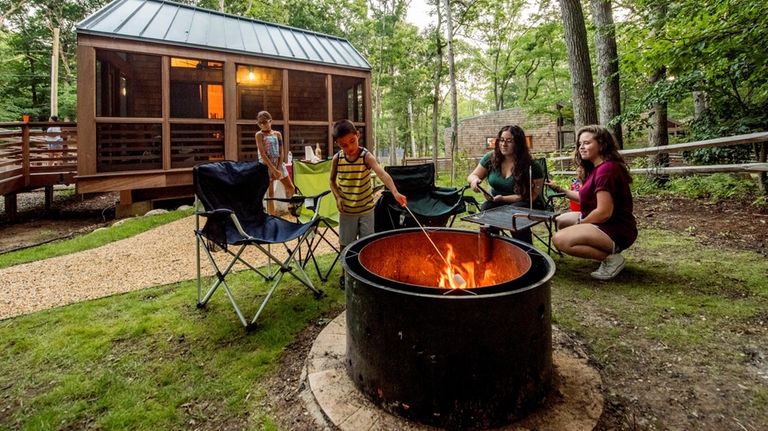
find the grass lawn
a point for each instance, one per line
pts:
(150, 360)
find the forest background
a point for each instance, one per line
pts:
(701, 62)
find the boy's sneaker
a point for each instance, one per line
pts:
(610, 267)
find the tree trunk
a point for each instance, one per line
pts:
(392, 146)
(762, 176)
(452, 80)
(607, 67)
(436, 77)
(659, 130)
(584, 110)
(411, 127)
(699, 103)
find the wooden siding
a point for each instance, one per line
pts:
(156, 151)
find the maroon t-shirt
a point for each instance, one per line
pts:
(621, 226)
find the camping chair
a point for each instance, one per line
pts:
(312, 179)
(547, 195)
(232, 194)
(430, 204)
(547, 199)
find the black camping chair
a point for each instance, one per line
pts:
(432, 205)
(547, 195)
(232, 194)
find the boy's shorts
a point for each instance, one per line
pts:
(352, 227)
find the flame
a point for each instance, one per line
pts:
(465, 269)
(474, 275)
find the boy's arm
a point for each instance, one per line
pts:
(332, 181)
(370, 160)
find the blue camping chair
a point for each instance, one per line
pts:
(232, 194)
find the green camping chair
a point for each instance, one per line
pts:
(311, 179)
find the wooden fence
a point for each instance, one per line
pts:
(563, 163)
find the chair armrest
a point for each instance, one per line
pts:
(313, 202)
(218, 213)
(295, 199)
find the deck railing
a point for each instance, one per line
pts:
(31, 158)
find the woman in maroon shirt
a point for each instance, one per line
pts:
(605, 225)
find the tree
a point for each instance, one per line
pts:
(452, 83)
(584, 111)
(607, 68)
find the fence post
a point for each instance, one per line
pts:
(25, 153)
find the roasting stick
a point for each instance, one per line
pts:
(530, 188)
(457, 278)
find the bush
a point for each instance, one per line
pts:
(714, 187)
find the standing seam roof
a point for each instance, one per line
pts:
(183, 25)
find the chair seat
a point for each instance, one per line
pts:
(274, 230)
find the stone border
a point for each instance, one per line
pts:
(576, 401)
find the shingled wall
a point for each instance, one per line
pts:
(541, 130)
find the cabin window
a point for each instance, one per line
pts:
(348, 98)
(127, 84)
(307, 96)
(259, 89)
(197, 88)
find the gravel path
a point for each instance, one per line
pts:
(162, 255)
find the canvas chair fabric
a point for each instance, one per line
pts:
(432, 205)
(312, 179)
(231, 195)
(547, 195)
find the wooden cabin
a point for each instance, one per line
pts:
(164, 86)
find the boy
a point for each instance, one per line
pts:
(352, 187)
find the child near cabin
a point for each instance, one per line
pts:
(352, 185)
(274, 154)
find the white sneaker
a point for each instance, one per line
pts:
(610, 267)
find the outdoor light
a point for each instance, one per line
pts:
(251, 75)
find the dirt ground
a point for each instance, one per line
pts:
(732, 225)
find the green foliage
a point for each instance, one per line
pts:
(716, 47)
(714, 187)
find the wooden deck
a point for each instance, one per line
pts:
(30, 159)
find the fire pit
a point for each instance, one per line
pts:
(475, 357)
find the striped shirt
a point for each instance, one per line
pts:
(353, 179)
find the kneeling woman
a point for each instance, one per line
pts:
(605, 226)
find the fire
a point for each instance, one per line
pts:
(473, 274)
(466, 271)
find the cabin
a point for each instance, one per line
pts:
(164, 86)
(477, 135)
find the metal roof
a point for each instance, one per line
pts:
(178, 24)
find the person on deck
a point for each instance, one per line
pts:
(54, 141)
(511, 174)
(605, 225)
